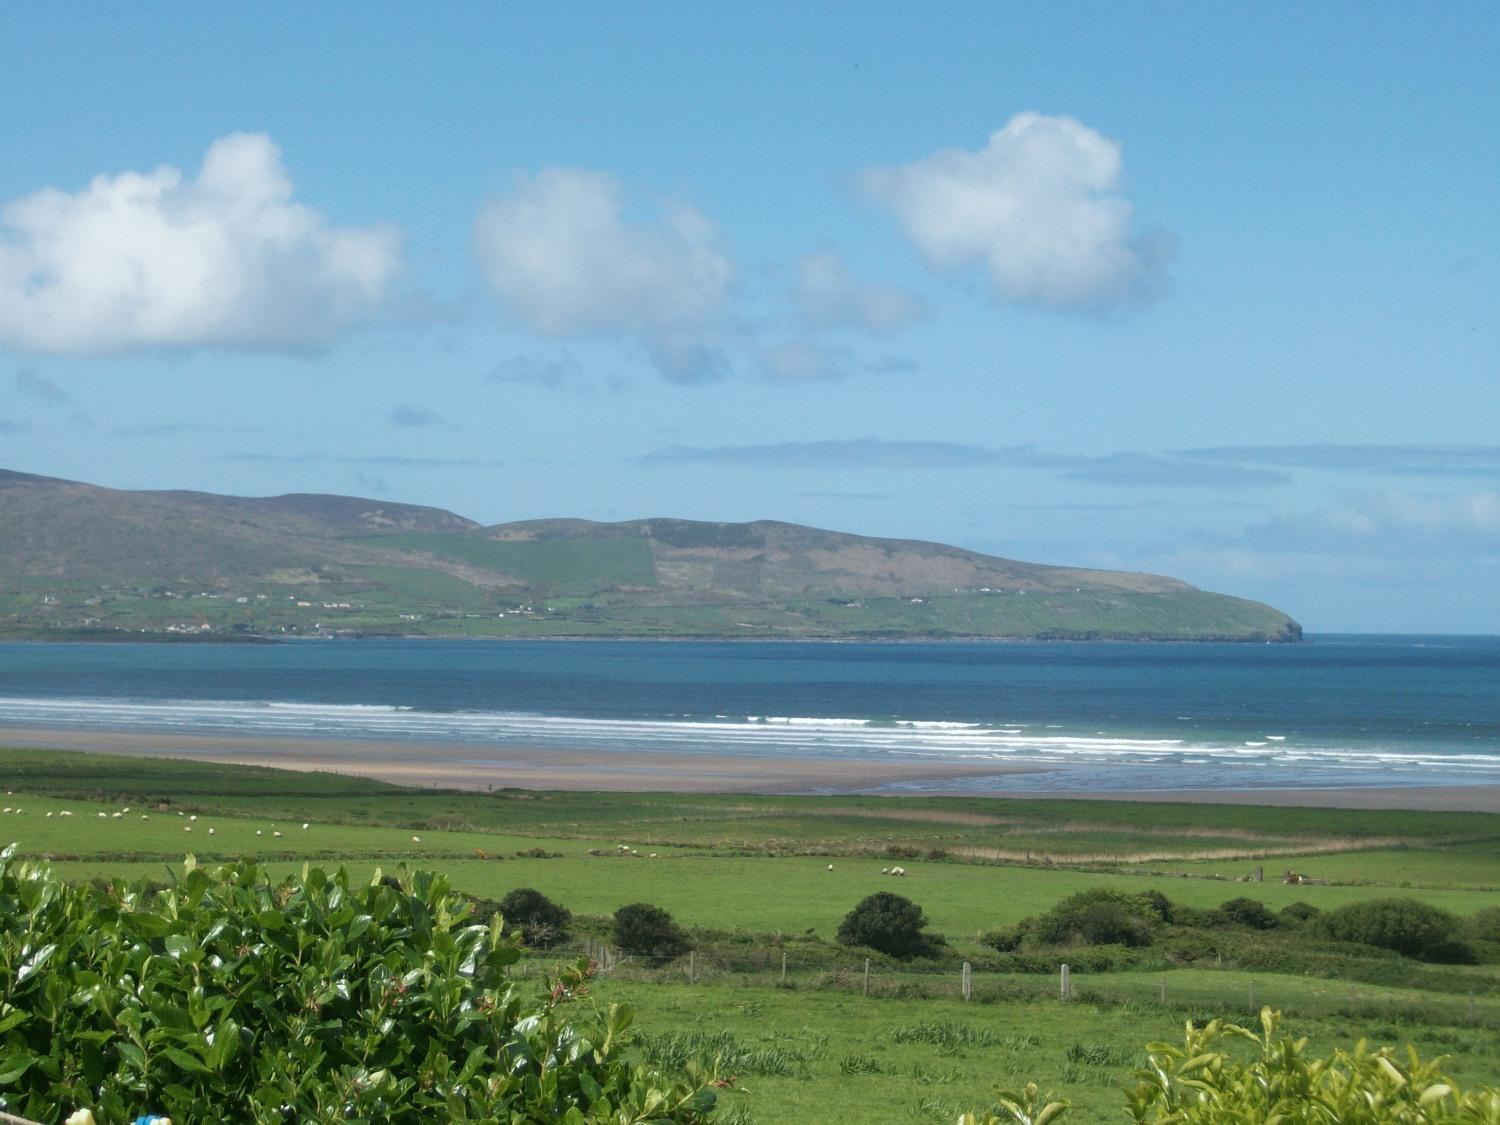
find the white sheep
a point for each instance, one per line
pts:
(305, 826)
(277, 835)
(416, 839)
(210, 831)
(830, 867)
(193, 817)
(187, 827)
(257, 831)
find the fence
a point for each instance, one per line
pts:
(1227, 992)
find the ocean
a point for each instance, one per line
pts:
(1331, 711)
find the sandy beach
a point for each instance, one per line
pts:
(460, 766)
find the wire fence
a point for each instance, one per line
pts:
(1229, 993)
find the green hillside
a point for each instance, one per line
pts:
(78, 560)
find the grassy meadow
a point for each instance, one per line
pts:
(756, 879)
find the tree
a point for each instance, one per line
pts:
(888, 923)
(649, 931)
(540, 921)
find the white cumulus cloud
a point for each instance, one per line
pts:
(1038, 208)
(829, 296)
(562, 258)
(160, 259)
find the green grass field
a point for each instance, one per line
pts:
(751, 877)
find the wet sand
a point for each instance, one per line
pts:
(463, 766)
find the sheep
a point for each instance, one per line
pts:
(830, 867)
(101, 815)
(305, 826)
(210, 831)
(193, 817)
(885, 870)
(276, 835)
(116, 816)
(187, 827)
(416, 839)
(145, 817)
(66, 812)
(257, 831)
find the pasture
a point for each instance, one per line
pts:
(758, 878)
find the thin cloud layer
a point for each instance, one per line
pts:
(1130, 469)
(1395, 460)
(829, 296)
(561, 257)
(162, 260)
(33, 384)
(1038, 209)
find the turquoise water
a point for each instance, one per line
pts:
(1335, 710)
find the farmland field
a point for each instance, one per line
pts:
(759, 879)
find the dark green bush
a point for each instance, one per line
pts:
(1101, 916)
(540, 921)
(1406, 925)
(1248, 912)
(1483, 925)
(649, 931)
(887, 923)
(1298, 914)
(228, 997)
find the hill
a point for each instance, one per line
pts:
(80, 560)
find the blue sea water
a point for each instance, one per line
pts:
(1332, 711)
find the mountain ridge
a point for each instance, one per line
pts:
(77, 557)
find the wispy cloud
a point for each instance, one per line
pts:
(33, 384)
(175, 429)
(828, 295)
(1126, 469)
(162, 260)
(415, 417)
(389, 459)
(10, 426)
(1039, 209)
(1394, 460)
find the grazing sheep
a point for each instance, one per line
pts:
(116, 816)
(49, 814)
(257, 832)
(416, 839)
(102, 815)
(885, 870)
(65, 812)
(210, 831)
(304, 826)
(193, 817)
(276, 834)
(830, 867)
(145, 817)
(187, 827)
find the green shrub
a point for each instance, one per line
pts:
(887, 923)
(540, 921)
(228, 997)
(1483, 925)
(649, 931)
(1248, 912)
(1101, 916)
(1298, 914)
(1406, 925)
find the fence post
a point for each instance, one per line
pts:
(968, 981)
(1066, 987)
(693, 967)
(1164, 991)
(783, 967)
(1260, 874)
(867, 976)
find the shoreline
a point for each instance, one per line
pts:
(436, 764)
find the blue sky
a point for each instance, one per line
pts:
(1205, 290)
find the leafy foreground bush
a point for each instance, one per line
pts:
(888, 923)
(230, 998)
(1198, 1084)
